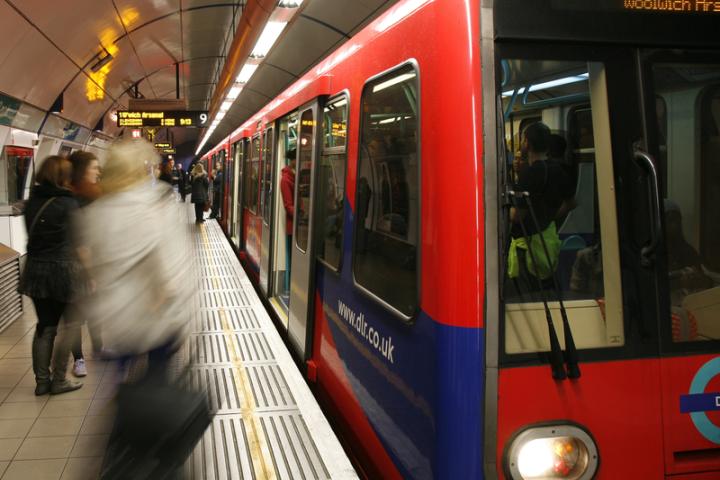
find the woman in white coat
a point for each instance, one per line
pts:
(138, 243)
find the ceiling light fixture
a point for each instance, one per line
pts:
(267, 38)
(104, 58)
(247, 71)
(233, 93)
(290, 3)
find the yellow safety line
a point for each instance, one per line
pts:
(259, 450)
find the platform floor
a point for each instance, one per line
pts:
(267, 426)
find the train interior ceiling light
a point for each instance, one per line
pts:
(548, 85)
(279, 19)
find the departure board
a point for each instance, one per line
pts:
(178, 118)
(654, 6)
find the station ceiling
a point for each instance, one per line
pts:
(50, 48)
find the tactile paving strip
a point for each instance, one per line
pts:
(224, 450)
(232, 361)
(270, 391)
(220, 283)
(216, 271)
(238, 319)
(224, 299)
(214, 348)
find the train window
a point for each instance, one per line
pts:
(561, 234)
(251, 173)
(331, 181)
(690, 146)
(387, 201)
(304, 168)
(266, 193)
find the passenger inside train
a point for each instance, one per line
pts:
(564, 96)
(287, 188)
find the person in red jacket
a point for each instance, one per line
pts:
(287, 188)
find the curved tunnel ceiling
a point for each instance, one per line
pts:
(54, 47)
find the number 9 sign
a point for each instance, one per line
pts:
(203, 118)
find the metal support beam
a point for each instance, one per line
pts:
(177, 81)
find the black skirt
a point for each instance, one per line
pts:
(59, 280)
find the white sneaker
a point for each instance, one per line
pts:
(79, 369)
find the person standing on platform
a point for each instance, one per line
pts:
(85, 186)
(218, 183)
(199, 195)
(166, 172)
(181, 181)
(50, 274)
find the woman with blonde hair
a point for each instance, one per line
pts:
(51, 270)
(199, 196)
(138, 241)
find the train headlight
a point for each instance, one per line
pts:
(552, 452)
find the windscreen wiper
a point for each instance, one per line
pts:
(556, 357)
(571, 355)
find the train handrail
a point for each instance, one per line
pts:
(647, 252)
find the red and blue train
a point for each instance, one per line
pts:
(391, 280)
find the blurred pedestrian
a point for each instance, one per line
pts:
(199, 195)
(140, 285)
(138, 242)
(85, 185)
(50, 272)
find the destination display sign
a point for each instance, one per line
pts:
(168, 151)
(686, 6)
(656, 6)
(177, 118)
(163, 145)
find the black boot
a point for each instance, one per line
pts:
(42, 348)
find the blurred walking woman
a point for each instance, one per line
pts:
(200, 184)
(51, 269)
(137, 248)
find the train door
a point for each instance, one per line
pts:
(574, 237)
(222, 160)
(637, 133)
(266, 196)
(286, 148)
(681, 90)
(241, 153)
(234, 191)
(251, 171)
(301, 285)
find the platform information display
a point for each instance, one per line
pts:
(176, 118)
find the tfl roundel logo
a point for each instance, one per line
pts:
(698, 401)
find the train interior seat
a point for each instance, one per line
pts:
(705, 307)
